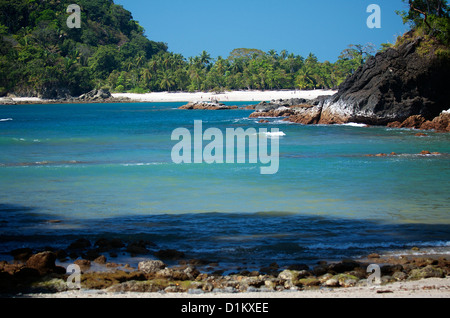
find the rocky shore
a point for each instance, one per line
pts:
(94, 96)
(402, 87)
(311, 112)
(37, 272)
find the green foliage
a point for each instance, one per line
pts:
(41, 55)
(430, 16)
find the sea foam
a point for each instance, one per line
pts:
(275, 134)
(354, 125)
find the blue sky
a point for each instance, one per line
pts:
(324, 27)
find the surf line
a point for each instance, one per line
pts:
(190, 150)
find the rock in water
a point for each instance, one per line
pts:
(213, 105)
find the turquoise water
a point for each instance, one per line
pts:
(106, 170)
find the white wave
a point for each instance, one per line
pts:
(280, 121)
(6, 119)
(275, 134)
(241, 119)
(354, 125)
(143, 164)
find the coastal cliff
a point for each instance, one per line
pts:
(408, 80)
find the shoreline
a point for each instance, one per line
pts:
(424, 288)
(172, 97)
(407, 275)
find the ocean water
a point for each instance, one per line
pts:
(105, 170)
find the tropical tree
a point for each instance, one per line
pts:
(433, 16)
(146, 76)
(166, 80)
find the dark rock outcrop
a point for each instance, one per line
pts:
(95, 95)
(392, 86)
(402, 87)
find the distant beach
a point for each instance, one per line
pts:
(231, 96)
(168, 97)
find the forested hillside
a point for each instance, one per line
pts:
(41, 56)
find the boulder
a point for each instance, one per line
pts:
(136, 287)
(83, 263)
(426, 272)
(213, 105)
(306, 115)
(43, 262)
(415, 121)
(346, 280)
(100, 260)
(309, 282)
(440, 123)
(95, 95)
(151, 266)
(344, 266)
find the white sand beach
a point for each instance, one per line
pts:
(161, 97)
(231, 96)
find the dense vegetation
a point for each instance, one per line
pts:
(40, 55)
(430, 22)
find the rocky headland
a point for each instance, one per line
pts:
(404, 86)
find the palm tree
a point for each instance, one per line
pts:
(146, 76)
(221, 65)
(166, 80)
(139, 60)
(129, 65)
(237, 66)
(205, 58)
(196, 77)
(305, 78)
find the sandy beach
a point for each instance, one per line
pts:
(232, 96)
(167, 97)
